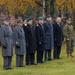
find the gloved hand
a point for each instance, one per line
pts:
(40, 43)
(17, 45)
(4, 46)
(55, 40)
(45, 42)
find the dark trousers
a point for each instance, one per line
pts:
(39, 56)
(47, 54)
(19, 60)
(7, 61)
(30, 59)
(57, 50)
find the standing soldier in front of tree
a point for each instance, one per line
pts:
(58, 38)
(7, 44)
(30, 42)
(69, 35)
(49, 43)
(40, 35)
(20, 44)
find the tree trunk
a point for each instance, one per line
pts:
(50, 7)
(43, 8)
(47, 8)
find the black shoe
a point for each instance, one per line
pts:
(55, 58)
(10, 68)
(39, 62)
(33, 64)
(45, 60)
(18, 66)
(21, 66)
(6, 68)
(42, 62)
(28, 64)
(59, 58)
(49, 59)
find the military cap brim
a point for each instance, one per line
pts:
(29, 19)
(7, 19)
(19, 21)
(40, 18)
(48, 16)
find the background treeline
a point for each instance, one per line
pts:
(38, 7)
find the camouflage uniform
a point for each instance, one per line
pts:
(69, 34)
(74, 25)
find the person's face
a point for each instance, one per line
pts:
(12, 22)
(25, 21)
(41, 22)
(69, 21)
(7, 22)
(49, 19)
(58, 20)
(30, 22)
(20, 24)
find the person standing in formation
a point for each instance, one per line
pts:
(40, 35)
(30, 42)
(7, 43)
(20, 43)
(58, 37)
(70, 36)
(49, 43)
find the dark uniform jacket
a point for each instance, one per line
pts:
(48, 35)
(40, 35)
(58, 34)
(30, 39)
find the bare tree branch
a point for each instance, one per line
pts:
(39, 2)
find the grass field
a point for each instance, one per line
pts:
(64, 66)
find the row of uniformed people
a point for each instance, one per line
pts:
(39, 38)
(43, 38)
(30, 39)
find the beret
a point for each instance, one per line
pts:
(28, 19)
(40, 18)
(48, 16)
(7, 19)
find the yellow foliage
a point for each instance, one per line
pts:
(62, 4)
(22, 5)
(14, 5)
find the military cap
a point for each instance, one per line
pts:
(48, 16)
(23, 18)
(40, 18)
(28, 19)
(19, 21)
(7, 19)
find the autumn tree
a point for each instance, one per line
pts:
(17, 6)
(38, 7)
(66, 6)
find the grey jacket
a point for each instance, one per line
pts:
(19, 37)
